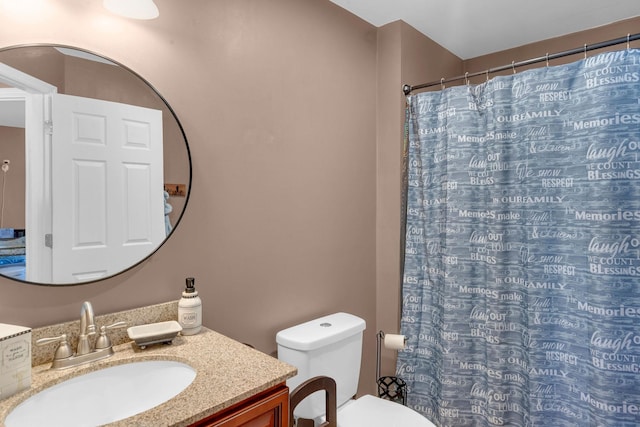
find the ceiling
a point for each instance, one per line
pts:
(470, 28)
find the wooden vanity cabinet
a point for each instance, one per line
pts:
(267, 409)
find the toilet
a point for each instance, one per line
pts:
(332, 346)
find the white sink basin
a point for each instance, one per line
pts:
(104, 396)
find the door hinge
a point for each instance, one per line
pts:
(48, 127)
(48, 240)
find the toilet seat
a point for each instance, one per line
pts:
(371, 411)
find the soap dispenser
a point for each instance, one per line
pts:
(190, 309)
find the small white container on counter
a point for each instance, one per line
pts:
(190, 309)
(15, 359)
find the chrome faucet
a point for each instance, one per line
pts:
(86, 351)
(87, 328)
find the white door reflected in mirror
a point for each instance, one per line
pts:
(107, 186)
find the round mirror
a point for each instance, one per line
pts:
(95, 166)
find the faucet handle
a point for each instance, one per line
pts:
(63, 350)
(103, 340)
(116, 325)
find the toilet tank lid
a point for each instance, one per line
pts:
(320, 332)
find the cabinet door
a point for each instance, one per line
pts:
(265, 410)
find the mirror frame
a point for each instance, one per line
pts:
(182, 133)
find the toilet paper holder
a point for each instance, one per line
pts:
(390, 387)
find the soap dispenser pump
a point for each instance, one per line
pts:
(190, 309)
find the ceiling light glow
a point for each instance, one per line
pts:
(135, 9)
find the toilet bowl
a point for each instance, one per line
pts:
(332, 346)
(375, 412)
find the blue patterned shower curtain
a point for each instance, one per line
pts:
(521, 288)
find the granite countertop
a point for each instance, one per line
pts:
(227, 372)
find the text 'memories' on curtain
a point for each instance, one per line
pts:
(521, 288)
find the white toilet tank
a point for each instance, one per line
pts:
(329, 346)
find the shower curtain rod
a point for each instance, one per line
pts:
(407, 89)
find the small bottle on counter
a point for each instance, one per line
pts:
(190, 309)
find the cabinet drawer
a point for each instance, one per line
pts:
(267, 409)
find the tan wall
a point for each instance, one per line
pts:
(276, 101)
(12, 182)
(294, 115)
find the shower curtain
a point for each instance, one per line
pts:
(521, 284)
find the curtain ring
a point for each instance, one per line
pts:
(628, 37)
(513, 66)
(585, 51)
(466, 78)
(442, 83)
(487, 75)
(547, 59)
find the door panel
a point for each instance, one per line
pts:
(107, 186)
